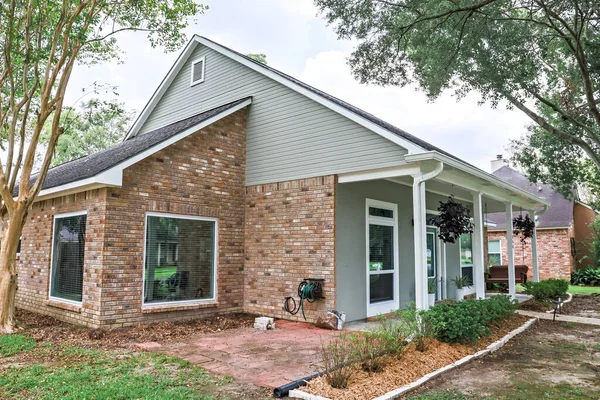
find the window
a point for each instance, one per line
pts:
(494, 252)
(197, 72)
(68, 252)
(466, 255)
(180, 259)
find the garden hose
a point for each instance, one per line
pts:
(307, 290)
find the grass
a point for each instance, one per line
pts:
(584, 289)
(519, 391)
(61, 371)
(14, 344)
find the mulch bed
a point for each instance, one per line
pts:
(584, 305)
(534, 305)
(409, 366)
(45, 328)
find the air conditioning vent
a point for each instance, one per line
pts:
(198, 71)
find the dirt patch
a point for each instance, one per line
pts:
(409, 366)
(584, 305)
(534, 305)
(45, 328)
(551, 360)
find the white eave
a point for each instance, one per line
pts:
(391, 136)
(114, 175)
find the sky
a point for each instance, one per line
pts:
(298, 42)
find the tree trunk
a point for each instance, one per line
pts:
(9, 243)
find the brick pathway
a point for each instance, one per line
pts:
(265, 358)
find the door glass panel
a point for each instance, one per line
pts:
(430, 255)
(381, 248)
(381, 287)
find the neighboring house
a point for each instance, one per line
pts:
(256, 181)
(562, 231)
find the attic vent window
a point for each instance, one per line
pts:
(197, 73)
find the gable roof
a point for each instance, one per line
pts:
(400, 137)
(558, 215)
(107, 165)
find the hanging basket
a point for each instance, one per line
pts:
(453, 220)
(523, 227)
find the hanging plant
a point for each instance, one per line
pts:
(453, 220)
(523, 227)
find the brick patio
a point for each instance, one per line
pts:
(265, 358)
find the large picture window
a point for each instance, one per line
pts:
(494, 252)
(180, 259)
(466, 255)
(68, 252)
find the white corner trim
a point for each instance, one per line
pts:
(400, 141)
(114, 175)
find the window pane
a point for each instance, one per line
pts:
(468, 272)
(68, 250)
(494, 259)
(430, 254)
(493, 246)
(381, 247)
(466, 249)
(381, 212)
(381, 288)
(179, 259)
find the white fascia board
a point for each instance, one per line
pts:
(380, 173)
(114, 175)
(407, 144)
(434, 155)
(162, 88)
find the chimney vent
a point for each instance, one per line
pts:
(498, 163)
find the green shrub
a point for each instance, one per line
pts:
(546, 290)
(586, 277)
(336, 358)
(413, 325)
(467, 321)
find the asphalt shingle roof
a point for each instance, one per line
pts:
(93, 164)
(559, 214)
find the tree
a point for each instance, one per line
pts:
(541, 56)
(40, 42)
(260, 57)
(95, 126)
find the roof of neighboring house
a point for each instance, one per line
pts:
(94, 164)
(378, 121)
(558, 215)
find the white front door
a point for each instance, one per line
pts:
(382, 257)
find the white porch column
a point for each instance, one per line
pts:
(510, 251)
(534, 250)
(478, 246)
(420, 239)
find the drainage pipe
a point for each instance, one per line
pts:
(284, 390)
(420, 223)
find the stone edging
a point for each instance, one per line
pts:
(394, 394)
(564, 302)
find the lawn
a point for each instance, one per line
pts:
(550, 361)
(48, 371)
(584, 289)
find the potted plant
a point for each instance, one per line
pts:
(523, 226)
(461, 282)
(431, 287)
(453, 220)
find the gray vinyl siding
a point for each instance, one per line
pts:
(289, 136)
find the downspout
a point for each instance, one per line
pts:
(420, 223)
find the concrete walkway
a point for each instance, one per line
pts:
(561, 317)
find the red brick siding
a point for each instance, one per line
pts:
(554, 252)
(34, 260)
(290, 235)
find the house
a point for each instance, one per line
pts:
(562, 230)
(258, 181)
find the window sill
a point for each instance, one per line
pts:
(177, 307)
(65, 306)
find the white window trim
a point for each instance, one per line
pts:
(197, 61)
(215, 262)
(500, 245)
(470, 289)
(50, 297)
(393, 222)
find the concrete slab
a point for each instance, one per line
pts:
(561, 317)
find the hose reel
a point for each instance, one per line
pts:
(310, 290)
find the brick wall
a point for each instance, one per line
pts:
(34, 260)
(201, 175)
(289, 236)
(554, 252)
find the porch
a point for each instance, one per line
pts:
(386, 248)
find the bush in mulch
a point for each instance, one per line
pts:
(547, 290)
